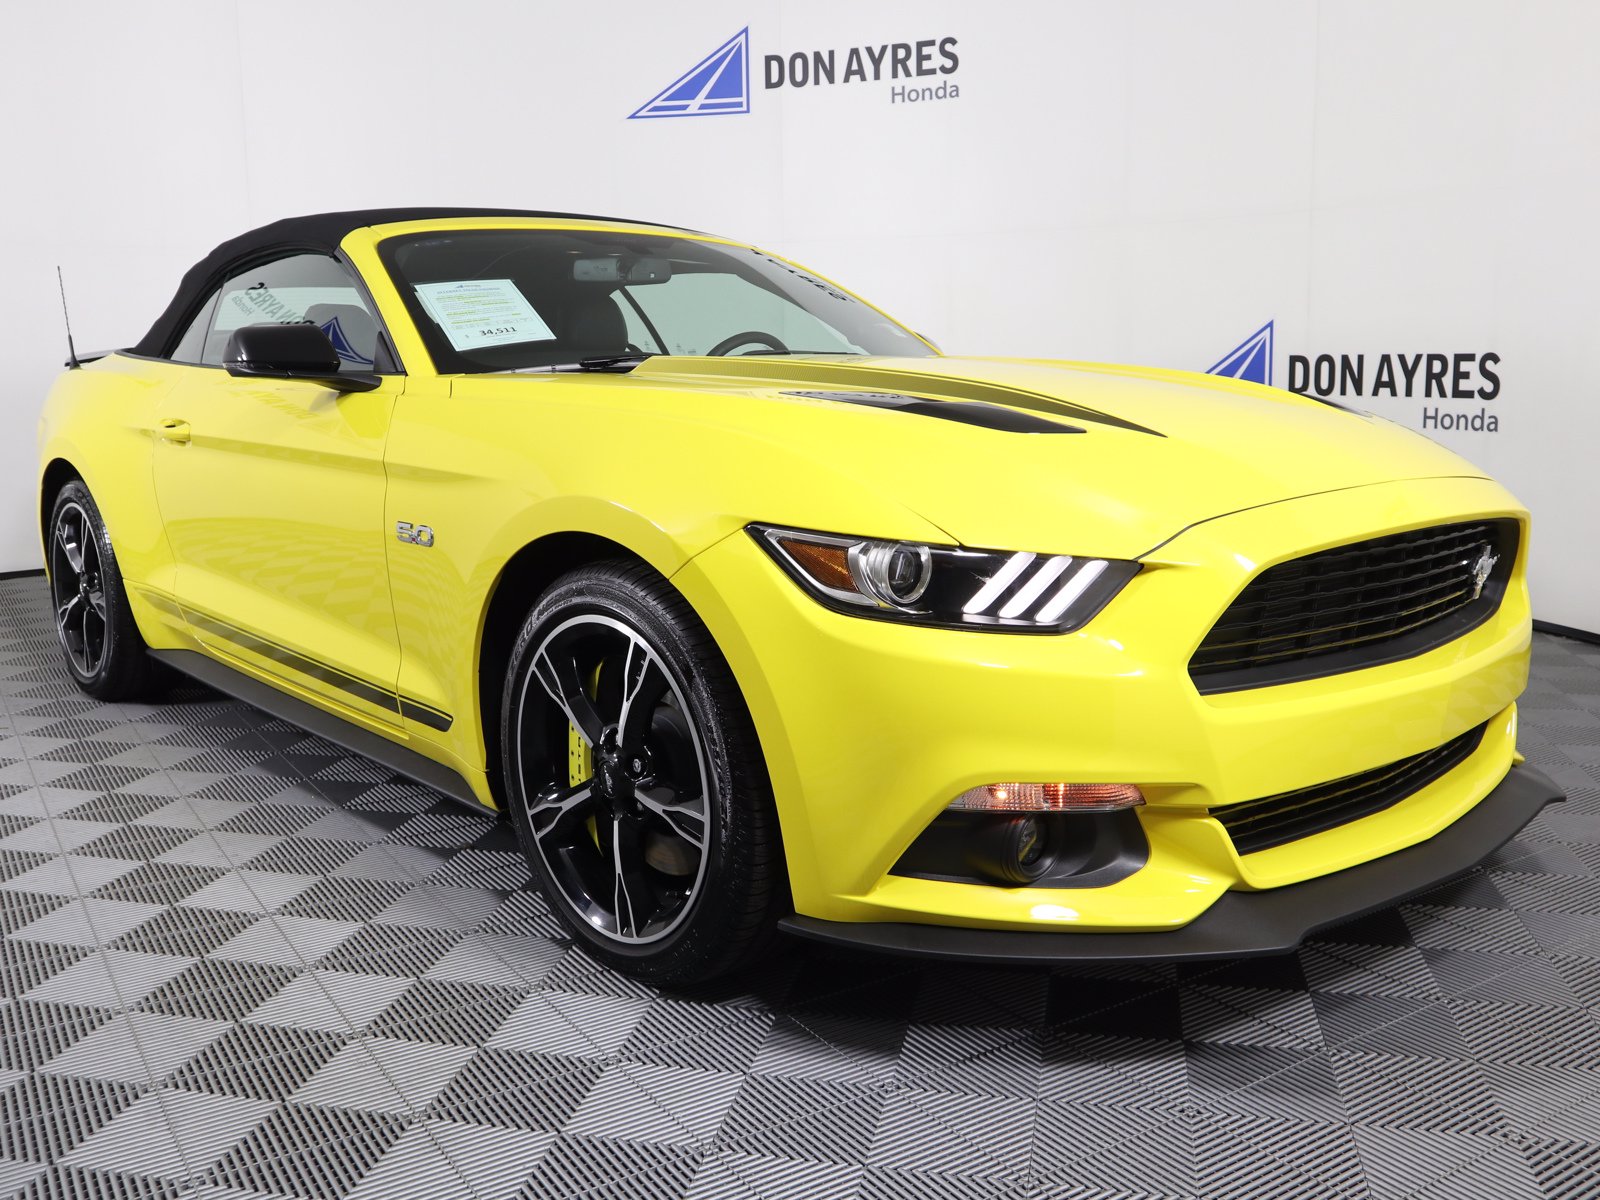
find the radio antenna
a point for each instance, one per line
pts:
(72, 353)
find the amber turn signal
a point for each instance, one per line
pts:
(1049, 797)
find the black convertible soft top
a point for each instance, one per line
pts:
(318, 233)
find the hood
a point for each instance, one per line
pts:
(1140, 454)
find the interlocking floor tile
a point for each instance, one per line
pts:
(58, 835)
(265, 1062)
(446, 1161)
(564, 1023)
(70, 875)
(306, 1151)
(518, 1089)
(173, 1134)
(219, 849)
(217, 990)
(34, 1031)
(502, 960)
(90, 922)
(287, 941)
(42, 1117)
(250, 891)
(644, 1102)
(384, 1075)
(336, 1001)
(110, 979)
(827, 1046)
(436, 1010)
(1437, 1165)
(137, 1047)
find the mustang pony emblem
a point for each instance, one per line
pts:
(1481, 570)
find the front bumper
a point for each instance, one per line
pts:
(869, 729)
(1239, 924)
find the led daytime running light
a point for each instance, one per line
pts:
(954, 587)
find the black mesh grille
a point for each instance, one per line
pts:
(1273, 820)
(1358, 606)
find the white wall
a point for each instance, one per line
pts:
(1138, 182)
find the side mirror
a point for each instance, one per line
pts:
(290, 352)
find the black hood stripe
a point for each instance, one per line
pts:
(897, 380)
(968, 412)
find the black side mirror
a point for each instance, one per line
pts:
(290, 352)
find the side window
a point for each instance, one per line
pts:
(193, 342)
(304, 288)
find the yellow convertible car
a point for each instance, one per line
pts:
(758, 613)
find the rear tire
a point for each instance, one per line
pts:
(100, 641)
(635, 781)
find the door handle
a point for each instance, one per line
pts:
(172, 429)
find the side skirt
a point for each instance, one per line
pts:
(324, 724)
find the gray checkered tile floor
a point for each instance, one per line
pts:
(238, 962)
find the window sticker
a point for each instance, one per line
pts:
(482, 312)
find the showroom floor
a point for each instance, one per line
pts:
(238, 962)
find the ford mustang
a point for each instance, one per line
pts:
(755, 612)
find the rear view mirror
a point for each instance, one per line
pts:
(616, 269)
(290, 352)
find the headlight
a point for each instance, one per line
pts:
(946, 586)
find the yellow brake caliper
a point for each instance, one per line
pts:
(580, 756)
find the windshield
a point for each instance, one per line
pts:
(505, 300)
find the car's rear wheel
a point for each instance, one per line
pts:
(98, 636)
(635, 780)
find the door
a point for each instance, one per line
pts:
(272, 493)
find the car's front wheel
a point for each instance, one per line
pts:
(94, 623)
(635, 781)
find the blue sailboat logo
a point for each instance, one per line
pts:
(716, 85)
(1250, 360)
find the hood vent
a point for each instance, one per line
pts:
(968, 412)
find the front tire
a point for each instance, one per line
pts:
(94, 624)
(635, 780)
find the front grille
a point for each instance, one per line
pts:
(1274, 820)
(1358, 605)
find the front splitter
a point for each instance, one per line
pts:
(1240, 924)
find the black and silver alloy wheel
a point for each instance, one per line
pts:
(98, 635)
(76, 587)
(626, 843)
(635, 781)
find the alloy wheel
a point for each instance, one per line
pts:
(77, 587)
(624, 836)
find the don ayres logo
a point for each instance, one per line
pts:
(1250, 360)
(1450, 379)
(719, 84)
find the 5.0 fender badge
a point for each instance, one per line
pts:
(413, 535)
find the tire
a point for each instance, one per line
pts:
(635, 781)
(102, 646)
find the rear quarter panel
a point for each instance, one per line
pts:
(99, 421)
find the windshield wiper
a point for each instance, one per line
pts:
(627, 362)
(602, 362)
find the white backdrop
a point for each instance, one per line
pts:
(1145, 182)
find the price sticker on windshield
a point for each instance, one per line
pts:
(482, 312)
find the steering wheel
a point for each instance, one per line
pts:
(748, 338)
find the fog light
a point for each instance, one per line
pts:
(1012, 850)
(1048, 797)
